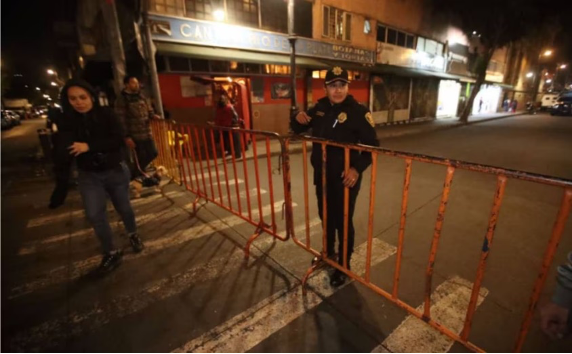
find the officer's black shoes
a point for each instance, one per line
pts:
(136, 243)
(109, 262)
(337, 279)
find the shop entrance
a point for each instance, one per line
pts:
(237, 89)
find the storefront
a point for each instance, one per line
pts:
(257, 60)
(487, 100)
(448, 98)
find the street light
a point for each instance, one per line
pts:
(563, 66)
(37, 89)
(548, 81)
(51, 72)
(53, 83)
(547, 53)
(529, 75)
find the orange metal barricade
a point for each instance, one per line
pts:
(451, 166)
(194, 159)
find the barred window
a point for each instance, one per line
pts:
(336, 23)
(199, 9)
(243, 12)
(170, 7)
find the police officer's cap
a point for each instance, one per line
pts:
(337, 74)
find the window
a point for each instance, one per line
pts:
(242, 12)
(392, 36)
(336, 23)
(325, 22)
(401, 39)
(429, 46)
(252, 68)
(381, 33)
(420, 44)
(200, 65)
(410, 41)
(170, 7)
(161, 63)
(179, 64)
(395, 37)
(199, 9)
(219, 66)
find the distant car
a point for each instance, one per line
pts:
(563, 106)
(6, 122)
(548, 100)
(10, 119)
(14, 117)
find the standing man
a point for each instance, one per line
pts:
(338, 117)
(227, 117)
(134, 114)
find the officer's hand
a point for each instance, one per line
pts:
(303, 118)
(553, 320)
(350, 177)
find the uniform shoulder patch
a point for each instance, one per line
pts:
(369, 119)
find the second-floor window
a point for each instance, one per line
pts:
(336, 23)
(170, 7)
(395, 37)
(429, 46)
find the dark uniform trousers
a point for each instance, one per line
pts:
(335, 211)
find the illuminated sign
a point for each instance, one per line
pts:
(175, 29)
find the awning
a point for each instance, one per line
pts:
(413, 72)
(213, 53)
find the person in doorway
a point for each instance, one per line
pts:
(227, 117)
(135, 113)
(513, 105)
(338, 117)
(480, 104)
(94, 137)
(556, 316)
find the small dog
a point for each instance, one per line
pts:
(152, 181)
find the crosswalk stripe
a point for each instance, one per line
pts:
(449, 306)
(44, 220)
(61, 274)
(246, 330)
(57, 330)
(34, 247)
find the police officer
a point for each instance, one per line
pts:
(338, 117)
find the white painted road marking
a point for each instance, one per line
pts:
(449, 303)
(251, 327)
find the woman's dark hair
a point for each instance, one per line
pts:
(64, 100)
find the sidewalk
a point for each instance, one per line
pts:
(394, 131)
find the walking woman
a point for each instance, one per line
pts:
(93, 136)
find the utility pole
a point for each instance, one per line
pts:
(150, 58)
(292, 39)
(111, 23)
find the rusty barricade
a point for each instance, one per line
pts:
(250, 187)
(502, 176)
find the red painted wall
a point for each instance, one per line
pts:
(172, 96)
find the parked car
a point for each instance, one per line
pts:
(14, 117)
(563, 106)
(548, 100)
(10, 119)
(6, 122)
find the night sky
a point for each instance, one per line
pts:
(28, 42)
